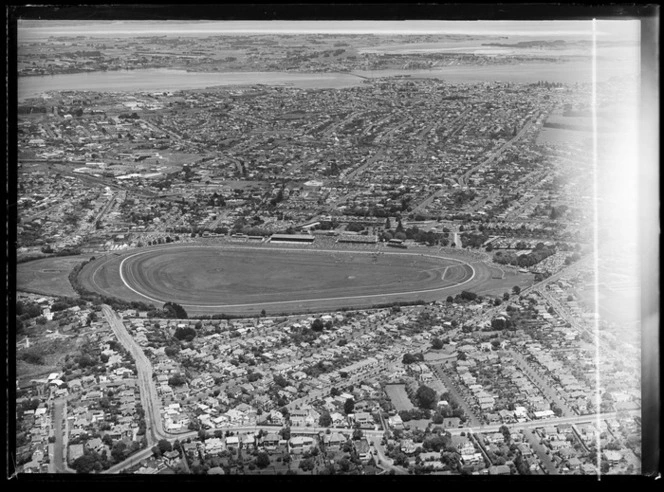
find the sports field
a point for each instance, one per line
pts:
(244, 279)
(399, 397)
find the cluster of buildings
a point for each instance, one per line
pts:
(208, 159)
(61, 54)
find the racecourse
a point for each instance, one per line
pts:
(242, 279)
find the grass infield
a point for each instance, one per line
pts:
(241, 279)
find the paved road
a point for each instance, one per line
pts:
(58, 448)
(373, 436)
(494, 155)
(533, 424)
(148, 391)
(548, 465)
(455, 393)
(538, 287)
(351, 175)
(382, 460)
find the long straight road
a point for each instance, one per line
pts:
(59, 446)
(149, 397)
(538, 287)
(548, 465)
(455, 393)
(495, 154)
(374, 436)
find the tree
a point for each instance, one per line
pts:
(171, 350)
(506, 296)
(84, 464)
(437, 344)
(173, 310)
(468, 296)
(317, 325)
(505, 431)
(349, 406)
(164, 446)
(410, 358)
(176, 380)
(425, 396)
(307, 464)
(118, 451)
(281, 381)
(185, 333)
(325, 419)
(516, 290)
(262, 460)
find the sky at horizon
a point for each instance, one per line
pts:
(622, 29)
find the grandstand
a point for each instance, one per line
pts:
(292, 239)
(396, 243)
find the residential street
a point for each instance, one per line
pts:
(550, 393)
(540, 450)
(150, 402)
(148, 391)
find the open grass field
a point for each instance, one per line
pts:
(210, 279)
(48, 276)
(239, 279)
(399, 397)
(245, 279)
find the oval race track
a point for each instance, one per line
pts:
(234, 279)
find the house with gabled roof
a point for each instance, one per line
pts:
(270, 441)
(334, 440)
(300, 444)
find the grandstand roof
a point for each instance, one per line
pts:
(292, 237)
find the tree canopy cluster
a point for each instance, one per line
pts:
(426, 397)
(534, 257)
(474, 240)
(185, 333)
(410, 358)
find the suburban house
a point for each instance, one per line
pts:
(300, 444)
(171, 458)
(271, 441)
(232, 443)
(364, 419)
(213, 445)
(95, 445)
(334, 441)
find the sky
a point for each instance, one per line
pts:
(619, 30)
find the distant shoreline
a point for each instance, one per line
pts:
(145, 80)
